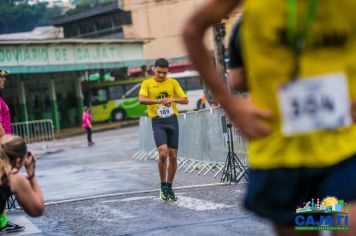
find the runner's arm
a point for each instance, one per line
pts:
(28, 194)
(168, 101)
(143, 96)
(180, 96)
(148, 101)
(237, 79)
(242, 112)
(181, 100)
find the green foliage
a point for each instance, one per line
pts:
(94, 2)
(84, 4)
(18, 16)
(21, 17)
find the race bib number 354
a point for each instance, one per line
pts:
(316, 103)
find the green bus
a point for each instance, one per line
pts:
(115, 101)
(118, 100)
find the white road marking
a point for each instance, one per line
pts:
(129, 199)
(116, 212)
(198, 204)
(183, 201)
(131, 193)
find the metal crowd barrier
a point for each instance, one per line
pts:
(34, 131)
(202, 144)
(12, 204)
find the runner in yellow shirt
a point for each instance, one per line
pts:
(300, 69)
(161, 94)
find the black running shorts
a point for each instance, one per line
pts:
(276, 193)
(166, 131)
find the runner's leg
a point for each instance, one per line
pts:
(172, 165)
(173, 138)
(162, 167)
(160, 136)
(172, 141)
(162, 162)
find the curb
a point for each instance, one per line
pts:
(39, 154)
(98, 128)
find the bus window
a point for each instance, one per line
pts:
(194, 83)
(99, 96)
(116, 92)
(118, 100)
(132, 90)
(192, 86)
(182, 83)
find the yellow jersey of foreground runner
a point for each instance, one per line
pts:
(311, 126)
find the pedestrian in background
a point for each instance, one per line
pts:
(300, 69)
(202, 102)
(87, 125)
(5, 117)
(5, 128)
(161, 94)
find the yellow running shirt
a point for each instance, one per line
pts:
(169, 88)
(330, 48)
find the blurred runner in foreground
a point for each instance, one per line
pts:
(299, 58)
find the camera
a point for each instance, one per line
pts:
(4, 73)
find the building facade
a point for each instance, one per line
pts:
(162, 22)
(46, 75)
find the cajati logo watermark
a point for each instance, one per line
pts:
(327, 214)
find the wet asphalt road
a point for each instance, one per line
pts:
(102, 191)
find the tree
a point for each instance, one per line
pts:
(21, 17)
(84, 4)
(17, 1)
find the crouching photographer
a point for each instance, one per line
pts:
(13, 156)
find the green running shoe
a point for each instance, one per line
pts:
(11, 228)
(164, 194)
(172, 195)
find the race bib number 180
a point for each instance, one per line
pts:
(164, 111)
(316, 103)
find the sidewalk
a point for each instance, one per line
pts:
(44, 148)
(70, 132)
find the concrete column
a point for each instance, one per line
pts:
(53, 99)
(22, 101)
(80, 99)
